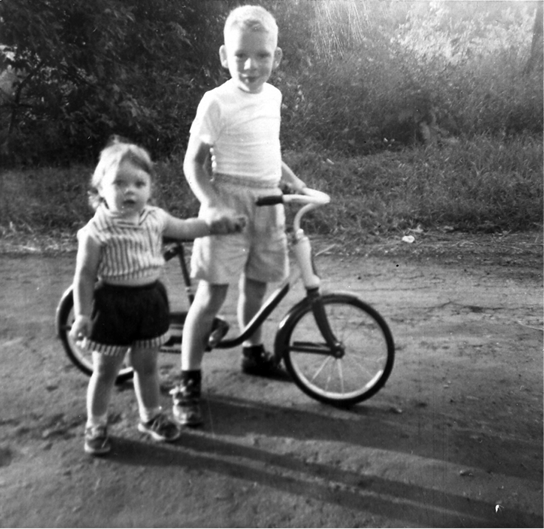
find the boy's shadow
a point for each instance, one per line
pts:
(346, 488)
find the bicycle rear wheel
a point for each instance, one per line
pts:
(355, 375)
(80, 357)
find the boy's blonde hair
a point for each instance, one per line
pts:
(254, 18)
(117, 151)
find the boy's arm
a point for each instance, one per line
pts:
(88, 256)
(289, 178)
(196, 173)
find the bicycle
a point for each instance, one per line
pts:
(336, 348)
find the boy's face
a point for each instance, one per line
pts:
(250, 57)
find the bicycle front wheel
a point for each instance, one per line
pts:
(80, 357)
(364, 364)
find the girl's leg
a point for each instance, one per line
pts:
(105, 370)
(146, 387)
(146, 381)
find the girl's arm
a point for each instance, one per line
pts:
(88, 257)
(193, 228)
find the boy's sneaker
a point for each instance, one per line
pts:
(97, 441)
(160, 428)
(186, 408)
(257, 361)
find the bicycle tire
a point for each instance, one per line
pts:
(80, 357)
(369, 350)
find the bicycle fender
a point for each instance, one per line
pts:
(289, 319)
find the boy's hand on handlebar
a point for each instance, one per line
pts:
(288, 188)
(227, 224)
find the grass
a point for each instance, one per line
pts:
(482, 184)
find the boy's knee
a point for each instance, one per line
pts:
(210, 297)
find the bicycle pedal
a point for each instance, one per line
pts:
(170, 348)
(219, 330)
(174, 341)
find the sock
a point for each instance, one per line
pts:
(194, 375)
(190, 385)
(250, 351)
(97, 420)
(146, 414)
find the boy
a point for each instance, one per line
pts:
(238, 123)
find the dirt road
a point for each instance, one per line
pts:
(453, 440)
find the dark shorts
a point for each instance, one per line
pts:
(125, 317)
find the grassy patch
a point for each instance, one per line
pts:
(485, 184)
(478, 185)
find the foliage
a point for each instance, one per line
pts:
(377, 71)
(358, 76)
(88, 69)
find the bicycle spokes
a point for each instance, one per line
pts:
(354, 366)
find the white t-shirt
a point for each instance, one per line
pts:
(243, 130)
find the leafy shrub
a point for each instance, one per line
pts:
(461, 64)
(357, 77)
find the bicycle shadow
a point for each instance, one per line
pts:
(420, 506)
(362, 425)
(368, 427)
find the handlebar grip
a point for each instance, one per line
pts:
(269, 200)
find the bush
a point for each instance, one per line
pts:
(459, 69)
(357, 77)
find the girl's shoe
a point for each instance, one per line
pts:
(160, 429)
(97, 441)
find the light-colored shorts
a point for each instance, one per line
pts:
(259, 252)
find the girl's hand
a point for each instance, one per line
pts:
(227, 224)
(81, 328)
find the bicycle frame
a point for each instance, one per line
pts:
(343, 366)
(301, 248)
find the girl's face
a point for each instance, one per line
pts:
(127, 190)
(250, 57)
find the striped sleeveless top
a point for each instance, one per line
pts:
(128, 251)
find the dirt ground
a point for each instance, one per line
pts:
(453, 440)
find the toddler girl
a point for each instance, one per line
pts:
(128, 310)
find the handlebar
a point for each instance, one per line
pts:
(309, 196)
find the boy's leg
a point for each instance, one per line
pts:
(208, 301)
(105, 370)
(249, 302)
(255, 359)
(146, 387)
